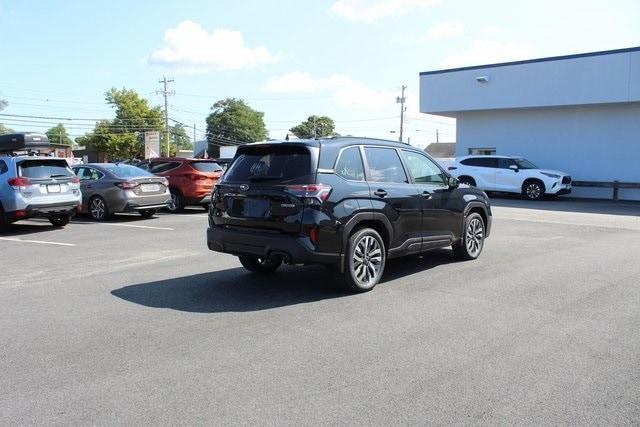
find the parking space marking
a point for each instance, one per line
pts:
(149, 227)
(42, 242)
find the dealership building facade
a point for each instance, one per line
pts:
(578, 113)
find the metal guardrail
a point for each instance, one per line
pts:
(615, 185)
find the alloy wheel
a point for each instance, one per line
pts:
(98, 209)
(533, 190)
(474, 236)
(367, 260)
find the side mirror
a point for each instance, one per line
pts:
(453, 182)
(514, 168)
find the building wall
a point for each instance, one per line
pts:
(592, 143)
(594, 79)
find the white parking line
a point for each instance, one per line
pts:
(42, 242)
(149, 227)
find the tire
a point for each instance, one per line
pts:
(4, 223)
(59, 220)
(365, 260)
(533, 190)
(177, 202)
(147, 213)
(467, 180)
(471, 243)
(98, 209)
(260, 265)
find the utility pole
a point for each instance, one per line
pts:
(164, 92)
(194, 134)
(401, 100)
(437, 136)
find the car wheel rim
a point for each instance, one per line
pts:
(533, 191)
(367, 261)
(97, 209)
(172, 203)
(474, 236)
(266, 262)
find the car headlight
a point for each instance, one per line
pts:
(550, 175)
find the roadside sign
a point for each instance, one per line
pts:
(151, 144)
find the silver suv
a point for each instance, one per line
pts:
(37, 186)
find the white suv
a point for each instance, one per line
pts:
(510, 175)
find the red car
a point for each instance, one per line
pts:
(190, 180)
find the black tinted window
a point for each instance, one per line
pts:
(206, 166)
(384, 165)
(44, 168)
(484, 162)
(349, 166)
(3, 167)
(505, 163)
(127, 171)
(159, 167)
(287, 164)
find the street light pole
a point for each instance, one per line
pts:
(401, 100)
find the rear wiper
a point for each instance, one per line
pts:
(264, 178)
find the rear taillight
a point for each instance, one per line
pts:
(165, 182)
(127, 185)
(452, 168)
(75, 180)
(196, 177)
(19, 182)
(313, 235)
(310, 192)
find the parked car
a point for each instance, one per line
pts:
(510, 175)
(109, 188)
(35, 186)
(346, 202)
(190, 180)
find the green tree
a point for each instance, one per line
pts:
(58, 135)
(123, 137)
(179, 137)
(315, 127)
(232, 118)
(4, 129)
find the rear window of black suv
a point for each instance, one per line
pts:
(272, 164)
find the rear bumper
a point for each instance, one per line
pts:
(295, 249)
(43, 210)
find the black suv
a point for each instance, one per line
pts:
(345, 202)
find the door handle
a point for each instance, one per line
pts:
(380, 192)
(426, 194)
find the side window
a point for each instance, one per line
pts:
(349, 165)
(384, 165)
(3, 167)
(80, 172)
(484, 162)
(423, 170)
(88, 174)
(505, 163)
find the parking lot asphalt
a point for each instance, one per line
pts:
(135, 321)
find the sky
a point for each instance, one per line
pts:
(288, 58)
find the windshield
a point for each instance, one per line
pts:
(525, 164)
(276, 164)
(44, 169)
(127, 171)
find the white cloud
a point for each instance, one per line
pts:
(189, 47)
(344, 91)
(486, 52)
(444, 31)
(372, 10)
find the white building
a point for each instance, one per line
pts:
(576, 113)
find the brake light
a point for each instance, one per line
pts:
(318, 192)
(75, 180)
(452, 168)
(313, 235)
(19, 182)
(195, 177)
(127, 185)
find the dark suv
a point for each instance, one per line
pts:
(344, 202)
